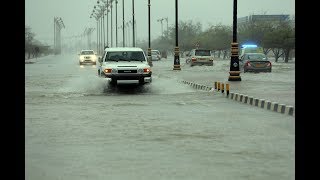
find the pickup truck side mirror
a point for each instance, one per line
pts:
(100, 59)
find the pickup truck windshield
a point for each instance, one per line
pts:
(125, 56)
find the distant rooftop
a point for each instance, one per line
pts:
(254, 18)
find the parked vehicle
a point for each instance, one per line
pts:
(155, 55)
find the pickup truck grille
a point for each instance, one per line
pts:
(127, 71)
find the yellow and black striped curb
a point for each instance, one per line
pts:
(262, 103)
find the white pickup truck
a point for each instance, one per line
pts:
(124, 63)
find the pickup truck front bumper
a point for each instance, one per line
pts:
(123, 76)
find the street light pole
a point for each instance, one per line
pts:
(99, 42)
(176, 62)
(97, 19)
(128, 29)
(111, 22)
(120, 27)
(97, 35)
(167, 25)
(58, 25)
(116, 23)
(123, 43)
(101, 19)
(133, 22)
(149, 38)
(234, 73)
(54, 35)
(103, 29)
(135, 32)
(160, 20)
(107, 26)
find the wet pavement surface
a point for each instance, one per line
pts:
(77, 127)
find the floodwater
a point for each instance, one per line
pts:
(78, 128)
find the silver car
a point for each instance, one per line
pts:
(155, 55)
(255, 62)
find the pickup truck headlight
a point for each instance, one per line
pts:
(107, 70)
(110, 70)
(146, 70)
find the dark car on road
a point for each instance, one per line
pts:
(255, 62)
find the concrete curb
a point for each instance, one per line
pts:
(262, 103)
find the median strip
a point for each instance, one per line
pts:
(262, 103)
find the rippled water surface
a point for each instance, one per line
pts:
(77, 127)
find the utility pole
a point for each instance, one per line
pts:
(133, 22)
(160, 20)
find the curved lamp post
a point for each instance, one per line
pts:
(58, 25)
(160, 20)
(167, 25)
(101, 17)
(111, 29)
(97, 19)
(128, 29)
(120, 27)
(87, 32)
(234, 73)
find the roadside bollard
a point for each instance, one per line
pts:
(215, 85)
(227, 89)
(218, 86)
(222, 88)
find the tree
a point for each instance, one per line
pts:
(29, 36)
(254, 33)
(188, 35)
(281, 39)
(217, 38)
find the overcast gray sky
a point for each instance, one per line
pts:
(39, 14)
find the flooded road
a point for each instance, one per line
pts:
(77, 128)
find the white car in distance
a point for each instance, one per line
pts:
(123, 64)
(87, 56)
(155, 55)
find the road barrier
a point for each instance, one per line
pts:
(262, 103)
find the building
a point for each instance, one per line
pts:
(262, 18)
